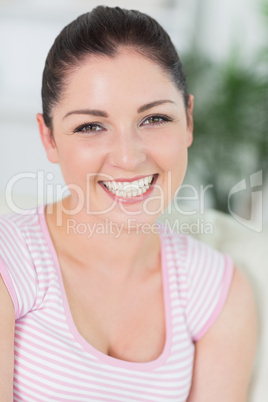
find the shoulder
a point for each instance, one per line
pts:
(204, 276)
(17, 229)
(186, 243)
(20, 220)
(19, 247)
(238, 311)
(225, 354)
(21, 238)
(197, 257)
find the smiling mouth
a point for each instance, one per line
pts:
(130, 189)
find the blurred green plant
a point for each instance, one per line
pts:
(231, 120)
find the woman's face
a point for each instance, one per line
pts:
(121, 137)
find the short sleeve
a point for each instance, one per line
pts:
(16, 267)
(209, 276)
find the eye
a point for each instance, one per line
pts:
(155, 120)
(88, 128)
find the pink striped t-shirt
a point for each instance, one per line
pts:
(53, 362)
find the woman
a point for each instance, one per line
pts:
(107, 305)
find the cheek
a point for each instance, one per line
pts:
(178, 166)
(175, 159)
(172, 152)
(77, 161)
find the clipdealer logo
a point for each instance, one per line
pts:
(255, 222)
(47, 190)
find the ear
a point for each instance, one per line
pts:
(190, 120)
(47, 139)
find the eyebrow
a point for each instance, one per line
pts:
(98, 113)
(152, 104)
(101, 113)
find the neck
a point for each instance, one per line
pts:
(115, 248)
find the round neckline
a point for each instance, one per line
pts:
(143, 366)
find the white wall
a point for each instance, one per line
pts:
(226, 25)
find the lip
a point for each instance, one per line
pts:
(131, 200)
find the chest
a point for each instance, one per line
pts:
(121, 320)
(131, 324)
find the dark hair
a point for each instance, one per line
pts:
(101, 32)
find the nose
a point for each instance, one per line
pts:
(128, 151)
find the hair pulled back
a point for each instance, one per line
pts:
(101, 32)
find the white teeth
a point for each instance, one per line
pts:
(135, 184)
(114, 185)
(129, 189)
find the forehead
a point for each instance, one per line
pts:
(127, 78)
